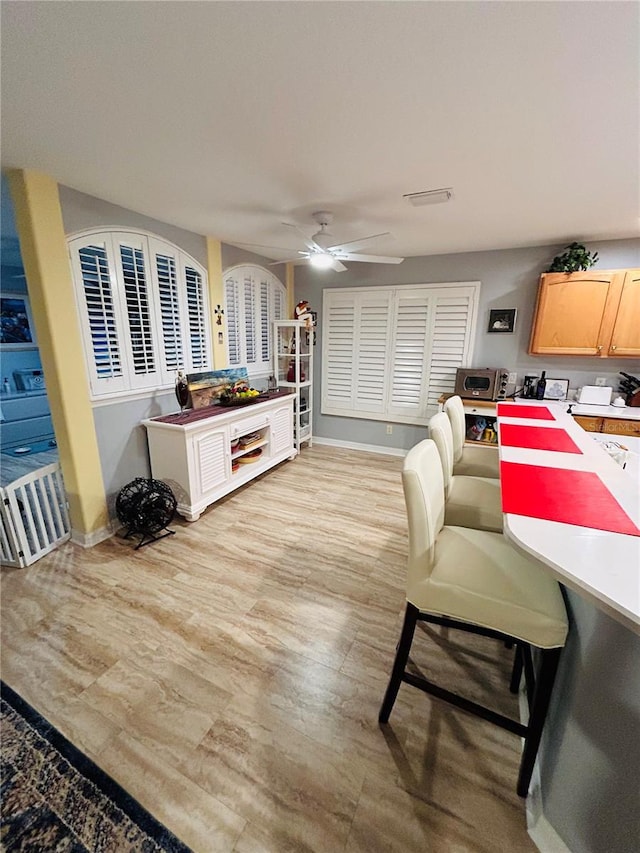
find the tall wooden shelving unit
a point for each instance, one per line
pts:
(293, 368)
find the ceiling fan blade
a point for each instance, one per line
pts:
(355, 244)
(262, 246)
(370, 259)
(337, 266)
(301, 257)
(309, 243)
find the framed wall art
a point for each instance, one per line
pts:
(556, 389)
(502, 320)
(16, 323)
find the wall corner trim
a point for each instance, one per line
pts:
(88, 540)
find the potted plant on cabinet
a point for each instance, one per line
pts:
(574, 259)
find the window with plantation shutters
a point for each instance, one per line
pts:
(390, 352)
(254, 298)
(143, 307)
(197, 319)
(101, 325)
(170, 311)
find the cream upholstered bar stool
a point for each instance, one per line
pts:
(475, 581)
(479, 461)
(468, 501)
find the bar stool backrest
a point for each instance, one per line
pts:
(454, 409)
(440, 431)
(423, 487)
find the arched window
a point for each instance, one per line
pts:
(144, 310)
(254, 298)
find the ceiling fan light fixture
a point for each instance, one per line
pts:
(429, 197)
(321, 261)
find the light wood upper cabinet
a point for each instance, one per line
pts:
(625, 340)
(594, 313)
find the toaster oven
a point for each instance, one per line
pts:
(482, 384)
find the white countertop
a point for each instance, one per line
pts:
(627, 412)
(600, 565)
(631, 413)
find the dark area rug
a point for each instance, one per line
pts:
(54, 798)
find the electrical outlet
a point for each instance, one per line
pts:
(601, 380)
(389, 429)
(512, 378)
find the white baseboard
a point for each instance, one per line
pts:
(367, 448)
(545, 837)
(88, 540)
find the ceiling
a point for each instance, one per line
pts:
(229, 118)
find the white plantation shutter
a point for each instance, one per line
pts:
(450, 346)
(372, 350)
(265, 337)
(138, 312)
(96, 291)
(338, 357)
(197, 319)
(409, 364)
(249, 318)
(143, 310)
(254, 298)
(232, 313)
(170, 311)
(389, 353)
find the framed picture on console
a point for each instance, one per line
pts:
(16, 323)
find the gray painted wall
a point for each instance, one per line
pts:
(81, 211)
(232, 256)
(509, 279)
(590, 755)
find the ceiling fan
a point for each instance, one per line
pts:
(324, 253)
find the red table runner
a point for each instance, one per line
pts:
(537, 438)
(534, 413)
(557, 494)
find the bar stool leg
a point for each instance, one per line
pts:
(399, 664)
(516, 672)
(538, 713)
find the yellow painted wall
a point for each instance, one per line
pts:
(50, 285)
(216, 298)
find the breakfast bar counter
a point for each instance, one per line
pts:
(569, 504)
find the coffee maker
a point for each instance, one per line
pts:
(529, 387)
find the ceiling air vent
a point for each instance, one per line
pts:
(429, 197)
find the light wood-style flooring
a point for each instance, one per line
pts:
(230, 676)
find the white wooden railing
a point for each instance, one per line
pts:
(34, 518)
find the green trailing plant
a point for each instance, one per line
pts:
(575, 258)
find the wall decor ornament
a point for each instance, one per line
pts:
(502, 320)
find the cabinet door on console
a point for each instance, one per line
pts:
(573, 312)
(281, 430)
(210, 452)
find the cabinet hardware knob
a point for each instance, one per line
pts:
(600, 348)
(614, 347)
